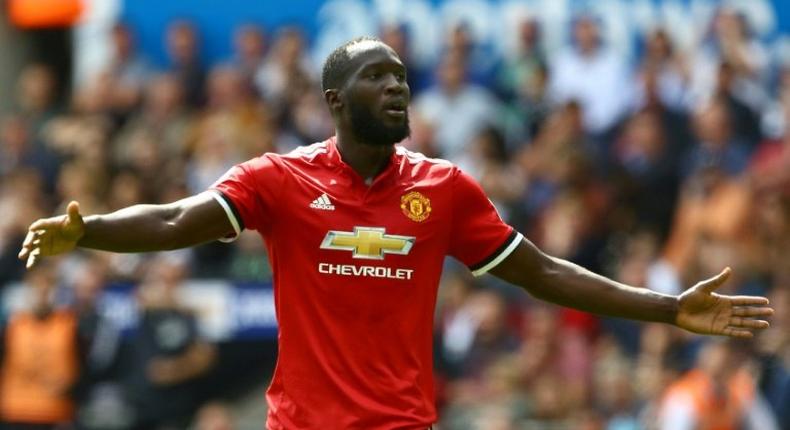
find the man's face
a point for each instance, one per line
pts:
(376, 95)
(586, 34)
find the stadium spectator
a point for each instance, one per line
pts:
(397, 36)
(460, 41)
(230, 102)
(249, 52)
(718, 393)
(456, 108)
(309, 121)
(645, 174)
(675, 122)
(491, 337)
(286, 72)
(99, 396)
(37, 97)
(527, 62)
(495, 401)
(773, 346)
(41, 359)
(183, 49)
(527, 113)
(668, 73)
(163, 115)
(486, 160)
(167, 353)
(769, 167)
(593, 75)
(717, 146)
(214, 152)
(729, 41)
(22, 195)
(245, 265)
(83, 131)
(745, 119)
(19, 151)
(127, 71)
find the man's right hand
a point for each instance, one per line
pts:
(53, 236)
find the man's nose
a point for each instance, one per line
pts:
(393, 85)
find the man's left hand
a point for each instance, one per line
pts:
(701, 310)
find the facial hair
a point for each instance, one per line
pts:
(372, 131)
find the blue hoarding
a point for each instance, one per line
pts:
(327, 23)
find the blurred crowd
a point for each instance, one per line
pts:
(657, 172)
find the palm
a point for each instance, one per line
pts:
(703, 311)
(53, 236)
(62, 239)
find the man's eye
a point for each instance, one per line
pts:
(401, 77)
(374, 76)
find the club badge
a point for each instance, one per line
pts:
(415, 206)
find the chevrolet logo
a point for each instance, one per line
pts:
(370, 243)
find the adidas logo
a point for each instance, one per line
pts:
(322, 203)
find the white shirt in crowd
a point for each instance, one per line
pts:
(600, 82)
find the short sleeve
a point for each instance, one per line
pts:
(479, 237)
(248, 192)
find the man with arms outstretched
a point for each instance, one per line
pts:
(357, 230)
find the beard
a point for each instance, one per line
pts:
(373, 131)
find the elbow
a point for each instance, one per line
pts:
(175, 237)
(171, 234)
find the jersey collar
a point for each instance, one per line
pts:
(336, 161)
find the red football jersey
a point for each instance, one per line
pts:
(356, 270)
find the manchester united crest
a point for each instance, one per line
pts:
(415, 206)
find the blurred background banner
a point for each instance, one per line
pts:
(225, 311)
(492, 23)
(329, 23)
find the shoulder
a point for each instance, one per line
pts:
(419, 166)
(410, 157)
(300, 158)
(305, 153)
(308, 154)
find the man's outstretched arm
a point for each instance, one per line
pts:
(699, 309)
(138, 228)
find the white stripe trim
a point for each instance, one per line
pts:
(229, 212)
(510, 248)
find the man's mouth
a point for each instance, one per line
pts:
(396, 108)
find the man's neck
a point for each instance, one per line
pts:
(368, 160)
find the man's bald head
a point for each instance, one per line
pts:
(339, 63)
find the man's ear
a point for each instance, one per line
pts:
(332, 97)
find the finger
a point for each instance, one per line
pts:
(710, 285)
(46, 223)
(26, 245)
(31, 235)
(747, 300)
(736, 332)
(749, 311)
(742, 322)
(73, 211)
(33, 258)
(748, 323)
